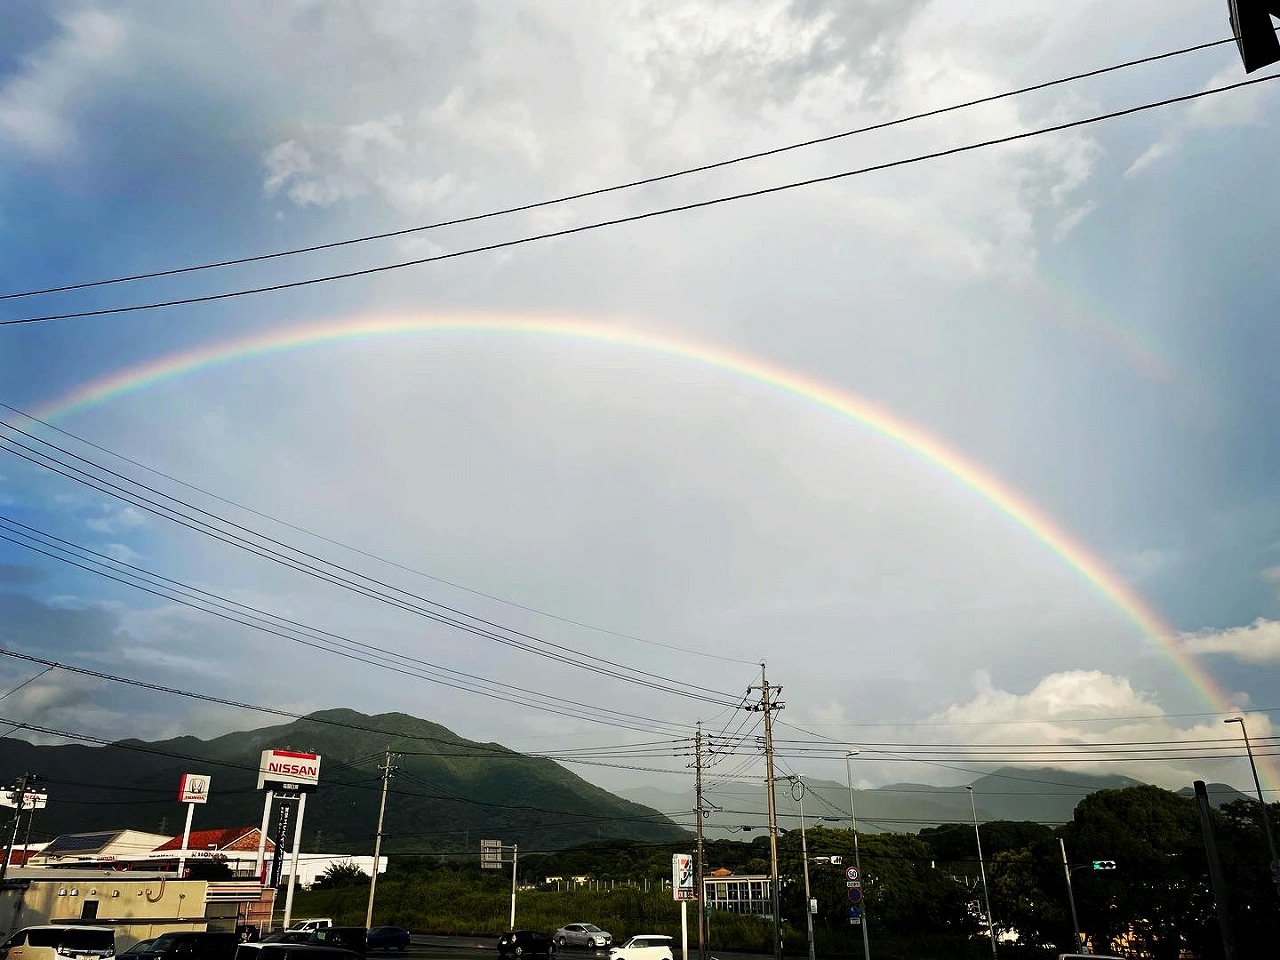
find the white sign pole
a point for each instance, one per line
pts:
(515, 853)
(293, 863)
(186, 841)
(262, 836)
(684, 929)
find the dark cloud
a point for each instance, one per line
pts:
(18, 575)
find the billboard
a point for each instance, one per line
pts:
(194, 788)
(288, 771)
(30, 800)
(682, 886)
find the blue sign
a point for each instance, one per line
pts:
(855, 914)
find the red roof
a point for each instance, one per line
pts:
(228, 838)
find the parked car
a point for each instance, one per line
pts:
(313, 923)
(55, 941)
(522, 943)
(355, 939)
(644, 946)
(192, 945)
(292, 951)
(583, 935)
(137, 951)
(387, 938)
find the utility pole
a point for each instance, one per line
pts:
(19, 795)
(387, 769)
(698, 813)
(767, 705)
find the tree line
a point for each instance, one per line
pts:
(922, 891)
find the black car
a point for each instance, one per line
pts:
(288, 936)
(355, 939)
(192, 945)
(523, 943)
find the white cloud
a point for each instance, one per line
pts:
(115, 518)
(1149, 156)
(1258, 642)
(34, 103)
(1071, 717)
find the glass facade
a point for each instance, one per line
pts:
(738, 894)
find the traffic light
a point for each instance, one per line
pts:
(1104, 864)
(1255, 36)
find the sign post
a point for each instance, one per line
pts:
(491, 859)
(193, 789)
(853, 881)
(290, 776)
(682, 891)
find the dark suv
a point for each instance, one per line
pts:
(193, 946)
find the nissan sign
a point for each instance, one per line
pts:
(288, 771)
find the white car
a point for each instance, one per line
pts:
(583, 935)
(645, 946)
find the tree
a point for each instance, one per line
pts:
(345, 873)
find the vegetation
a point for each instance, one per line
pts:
(923, 893)
(342, 874)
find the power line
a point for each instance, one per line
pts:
(302, 561)
(635, 218)
(285, 629)
(359, 552)
(599, 191)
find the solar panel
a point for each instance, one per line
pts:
(79, 843)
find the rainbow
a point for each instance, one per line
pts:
(842, 402)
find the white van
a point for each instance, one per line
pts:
(315, 923)
(60, 942)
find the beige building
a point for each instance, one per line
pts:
(137, 904)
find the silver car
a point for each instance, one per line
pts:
(583, 935)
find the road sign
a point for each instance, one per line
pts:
(855, 895)
(855, 915)
(851, 873)
(491, 854)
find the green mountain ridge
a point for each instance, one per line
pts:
(445, 795)
(1041, 795)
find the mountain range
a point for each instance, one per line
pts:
(446, 793)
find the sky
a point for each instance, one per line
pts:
(975, 453)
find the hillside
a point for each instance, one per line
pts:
(446, 795)
(1040, 795)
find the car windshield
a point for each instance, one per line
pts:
(591, 928)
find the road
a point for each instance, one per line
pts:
(425, 947)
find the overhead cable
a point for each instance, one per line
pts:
(635, 218)
(629, 185)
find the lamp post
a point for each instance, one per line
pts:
(797, 794)
(1262, 804)
(982, 870)
(857, 860)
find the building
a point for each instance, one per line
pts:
(725, 890)
(100, 848)
(137, 904)
(236, 847)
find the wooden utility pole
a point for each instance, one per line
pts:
(767, 705)
(387, 770)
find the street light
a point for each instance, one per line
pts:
(857, 860)
(986, 897)
(797, 794)
(1262, 804)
